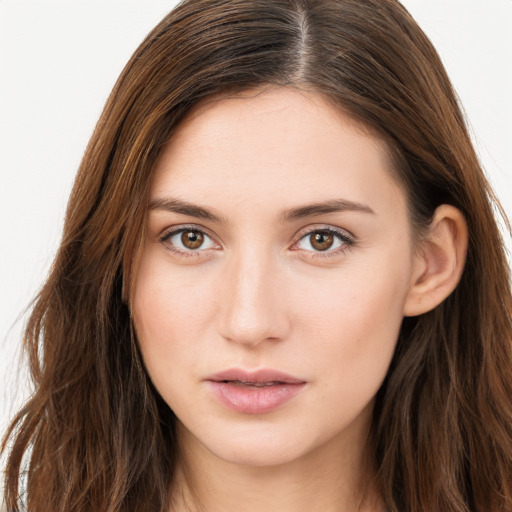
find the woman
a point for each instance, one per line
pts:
(280, 286)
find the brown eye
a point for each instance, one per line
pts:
(321, 240)
(328, 241)
(192, 239)
(188, 241)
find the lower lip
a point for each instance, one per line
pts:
(254, 400)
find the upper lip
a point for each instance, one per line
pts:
(256, 377)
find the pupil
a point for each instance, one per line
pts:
(192, 239)
(322, 241)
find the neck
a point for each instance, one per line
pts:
(335, 477)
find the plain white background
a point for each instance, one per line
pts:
(58, 63)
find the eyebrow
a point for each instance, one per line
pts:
(175, 205)
(331, 206)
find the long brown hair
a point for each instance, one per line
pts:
(95, 435)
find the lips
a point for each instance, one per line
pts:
(256, 392)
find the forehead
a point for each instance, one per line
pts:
(259, 145)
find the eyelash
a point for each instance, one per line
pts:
(168, 235)
(347, 241)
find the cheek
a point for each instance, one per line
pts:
(170, 315)
(351, 321)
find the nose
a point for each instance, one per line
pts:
(253, 306)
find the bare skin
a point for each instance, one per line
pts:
(278, 239)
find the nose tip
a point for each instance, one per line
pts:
(249, 335)
(253, 309)
(250, 319)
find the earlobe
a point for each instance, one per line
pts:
(439, 262)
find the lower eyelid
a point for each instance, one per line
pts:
(165, 238)
(345, 240)
(341, 236)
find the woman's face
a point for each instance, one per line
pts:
(274, 276)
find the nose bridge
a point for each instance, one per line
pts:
(251, 307)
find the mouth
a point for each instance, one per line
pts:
(254, 392)
(254, 378)
(252, 384)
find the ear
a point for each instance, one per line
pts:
(439, 261)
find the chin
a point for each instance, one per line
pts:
(265, 454)
(257, 445)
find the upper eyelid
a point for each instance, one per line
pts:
(165, 236)
(348, 241)
(169, 231)
(301, 233)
